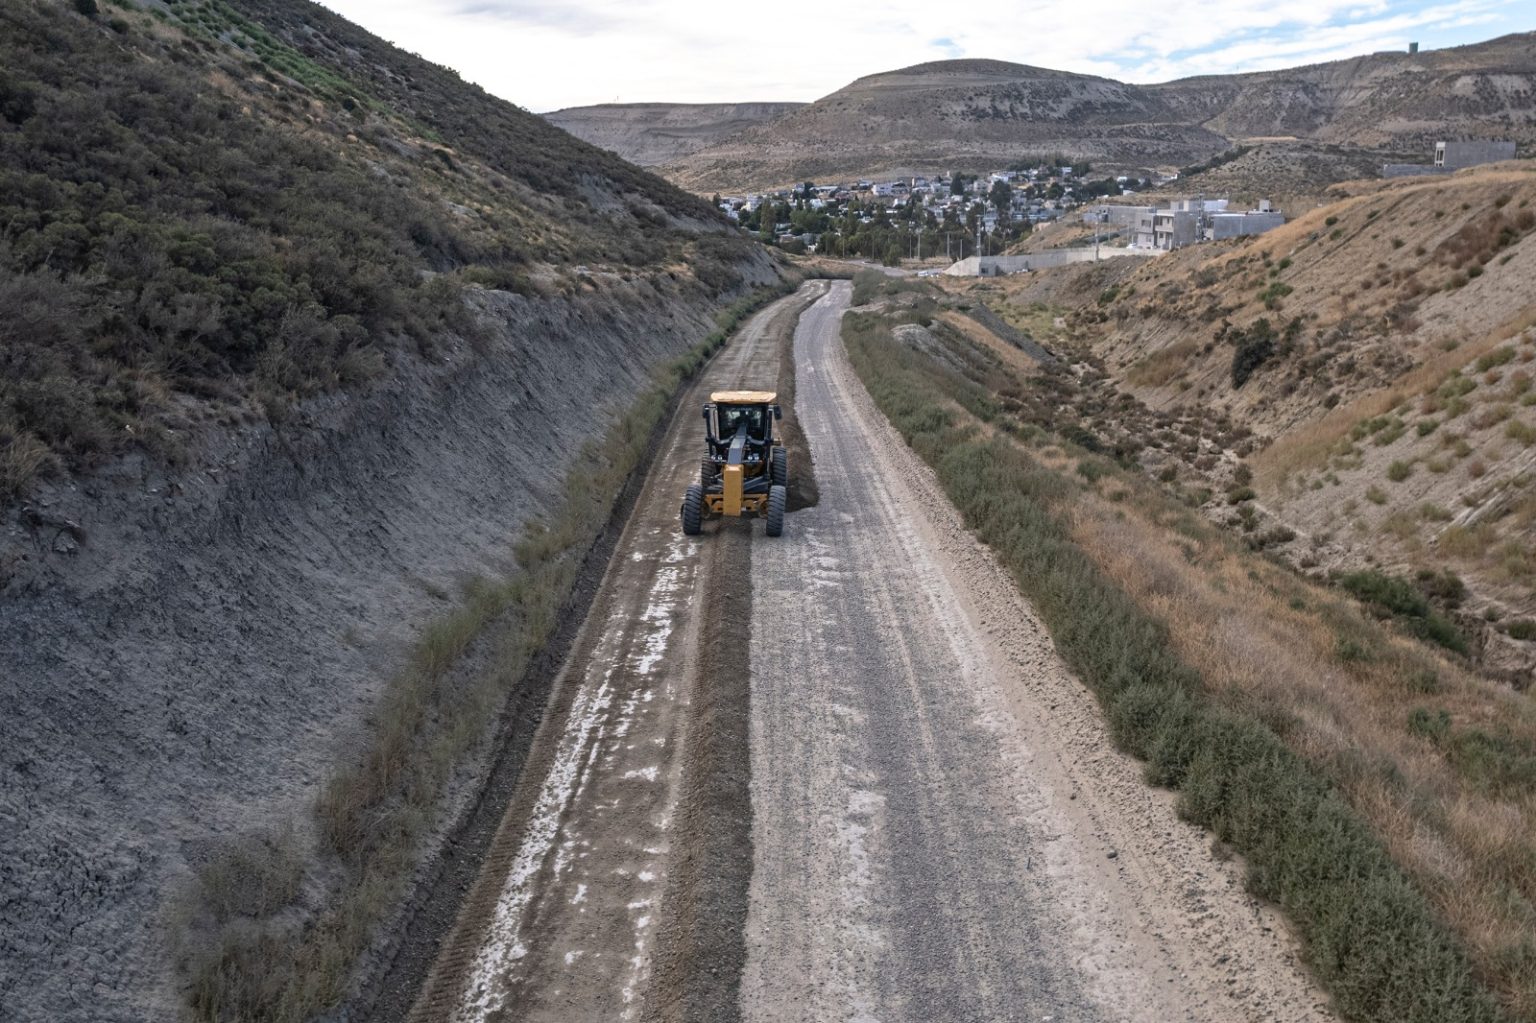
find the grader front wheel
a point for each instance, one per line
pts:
(693, 510)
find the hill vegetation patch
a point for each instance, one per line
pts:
(208, 215)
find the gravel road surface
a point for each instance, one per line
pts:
(942, 829)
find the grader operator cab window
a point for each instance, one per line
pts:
(731, 419)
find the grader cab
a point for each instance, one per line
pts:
(745, 471)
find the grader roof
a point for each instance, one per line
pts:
(743, 397)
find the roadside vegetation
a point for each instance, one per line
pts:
(1381, 793)
(208, 215)
(255, 943)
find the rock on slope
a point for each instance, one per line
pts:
(652, 134)
(297, 341)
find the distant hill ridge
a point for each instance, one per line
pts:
(651, 134)
(979, 113)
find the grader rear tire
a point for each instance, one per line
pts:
(776, 497)
(780, 468)
(693, 510)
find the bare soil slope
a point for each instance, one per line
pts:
(1372, 363)
(653, 134)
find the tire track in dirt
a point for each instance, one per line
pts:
(700, 951)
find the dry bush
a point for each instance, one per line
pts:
(23, 458)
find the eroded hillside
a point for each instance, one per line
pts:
(1352, 390)
(652, 134)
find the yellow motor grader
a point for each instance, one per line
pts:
(745, 470)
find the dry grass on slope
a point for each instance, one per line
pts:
(1441, 763)
(1387, 363)
(1225, 740)
(1362, 291)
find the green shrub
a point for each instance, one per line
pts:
(1350, 651)
(1401, 599)
(1092, 470)
(1444, 586)
(172, 255)
(1498, 357)
(1395, 595)
(1427, 724)
(1254, 347)
(1272, 295)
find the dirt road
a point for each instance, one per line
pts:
(841, 776)
(563, 924)
(942, 829)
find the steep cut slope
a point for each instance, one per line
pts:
(652, 134)
(976, 114)
(301, 335)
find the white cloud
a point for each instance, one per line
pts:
(544, 55)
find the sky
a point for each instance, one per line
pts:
(559, 53)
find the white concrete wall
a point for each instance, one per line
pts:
(990, 266)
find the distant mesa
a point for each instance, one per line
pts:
(978, 114)
(652, 134)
